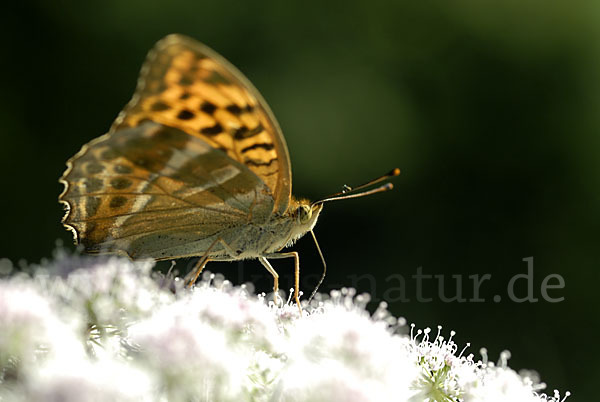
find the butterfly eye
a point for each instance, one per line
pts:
(304, 213)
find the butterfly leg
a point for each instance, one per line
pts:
(272, 271)
(296, 257)
(193, 275)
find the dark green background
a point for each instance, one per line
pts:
(491, 110)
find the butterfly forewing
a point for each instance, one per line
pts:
(184, 84)
(155, 191)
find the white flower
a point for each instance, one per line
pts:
(339, 353)
(30, 332)
(102, 329)
(499, 384)
(202, 345)
(245, 316)
(447, 376)
(109, 287)
(88, 381)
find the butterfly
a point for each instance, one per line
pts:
(194, 166)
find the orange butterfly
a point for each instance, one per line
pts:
(195, 165)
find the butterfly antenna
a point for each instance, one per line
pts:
(348, 189)
(351, 192)
(346, 193)
(324, 267)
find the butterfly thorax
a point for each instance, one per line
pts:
(279, 231)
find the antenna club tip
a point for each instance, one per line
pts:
(389, 186)
(395, 172)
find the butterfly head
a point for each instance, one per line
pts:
(305, 214)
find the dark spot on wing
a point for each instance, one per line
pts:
(93, 184)
(208, 107)
(244, 132)
(94, 168)
(184, 95)
(118, 201)
(212, 130)
(185, 115)
(262, 145)
(91, 206)
(109, 154)
(234, 109)
(120, 183)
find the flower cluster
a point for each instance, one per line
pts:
(107, 329)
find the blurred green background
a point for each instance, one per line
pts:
(491, 110)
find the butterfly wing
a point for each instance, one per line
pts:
(156, 191)
(186, 85)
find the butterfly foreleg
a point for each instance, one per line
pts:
(193, 275)
(296, 257)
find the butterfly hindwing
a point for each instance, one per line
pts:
(184, 84)
(155, 191)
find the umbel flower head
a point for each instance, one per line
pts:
(105, 329)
